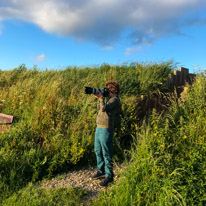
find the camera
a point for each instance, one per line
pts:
(90, 90)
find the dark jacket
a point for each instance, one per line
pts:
(107, 112)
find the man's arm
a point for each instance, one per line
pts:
(99, 96)
(109, 106)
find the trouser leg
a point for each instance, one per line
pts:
(98, 150)
(106, 143)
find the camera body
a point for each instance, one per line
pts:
(90, 90)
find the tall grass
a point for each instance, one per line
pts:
(54, 123)
(33, 196)
(168, 164)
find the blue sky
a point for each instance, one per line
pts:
(54, 34)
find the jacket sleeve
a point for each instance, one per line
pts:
(109, 105)
(98, 105)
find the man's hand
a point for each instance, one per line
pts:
(99, 95)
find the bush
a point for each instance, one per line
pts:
(54, 121)
(168, 164)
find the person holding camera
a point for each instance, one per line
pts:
(107, 110)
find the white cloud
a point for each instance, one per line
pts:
(40, 58)
(107, 48)
(131, 50)
(104, 21)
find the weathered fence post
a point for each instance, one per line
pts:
(179, 79)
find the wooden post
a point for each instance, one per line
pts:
(178, 78)
(184, 75)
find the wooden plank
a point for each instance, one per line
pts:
(184, 75)
(6, 119)
(178, 79)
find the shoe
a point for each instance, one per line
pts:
(98, 175)
(106, 181)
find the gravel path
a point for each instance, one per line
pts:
(81, 179)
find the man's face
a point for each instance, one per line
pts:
(110, 94)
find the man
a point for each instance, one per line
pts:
(107, 111)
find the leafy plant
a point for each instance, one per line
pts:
(54, 122)
(168, 162)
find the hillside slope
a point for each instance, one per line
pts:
(168, 164)
(54, 120)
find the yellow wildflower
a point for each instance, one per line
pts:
(162, 146)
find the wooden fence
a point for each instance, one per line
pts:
(177, 82)
(179, 79)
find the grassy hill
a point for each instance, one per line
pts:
(168, 164)
(54, 132)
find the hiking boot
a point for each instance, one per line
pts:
(98, 175)
(106, 181)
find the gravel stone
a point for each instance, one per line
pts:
(81, 179)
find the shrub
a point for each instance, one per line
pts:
(54, 121)
(168, 158)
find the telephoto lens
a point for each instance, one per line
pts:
(90, 90)
(104, 92)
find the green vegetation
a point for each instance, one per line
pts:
(48, 197)
(168, 164)
(53, 131)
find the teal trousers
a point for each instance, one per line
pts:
(103, 150)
